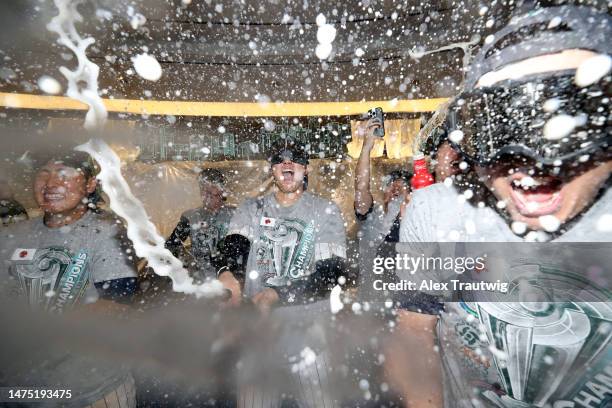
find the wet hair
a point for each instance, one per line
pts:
(212, 176)
(403, 175)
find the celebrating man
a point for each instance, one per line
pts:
(284, 252)
(534, 122)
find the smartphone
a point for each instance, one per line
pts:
(378, 113)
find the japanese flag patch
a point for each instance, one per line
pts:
(23, 254)
(267, 222)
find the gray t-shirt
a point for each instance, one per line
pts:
(205, 230)
(500, 354)
(35, 258)
(373, 229)
(286, 242)
(30, 250)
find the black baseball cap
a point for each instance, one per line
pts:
(288, 150)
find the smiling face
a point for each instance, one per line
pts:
(528, 193)
(289, 176)
(61, 189)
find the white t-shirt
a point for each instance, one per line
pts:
(503, 354)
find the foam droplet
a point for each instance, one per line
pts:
(592, 70)
(335, 302)
(604, 223)
(49, 85)
(323, 50)
(519, 228)
(559, 127)
(147, 67)
(550, 223)
(326, 34)
(456, 136)
(320, 20)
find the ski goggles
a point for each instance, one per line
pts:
(292, 155)
(545, 118)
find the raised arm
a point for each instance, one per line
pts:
(363, 196)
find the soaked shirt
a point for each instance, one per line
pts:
(205, 230)
(501, 354)
(286, 242)
(55, 269)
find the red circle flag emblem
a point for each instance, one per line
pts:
(23, 254)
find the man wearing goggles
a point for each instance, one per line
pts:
(284, 252)
(534, 124)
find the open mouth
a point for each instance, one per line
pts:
(536, 196)
(288, 175)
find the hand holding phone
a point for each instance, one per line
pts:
(377, 113)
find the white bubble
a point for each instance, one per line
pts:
(359, 52)
(552, 105)
(137, 20)
(448, 182)
(527, 182)
(489, 39)
(364, 385)
(535, 236)
(323, 50)
(463, 165)
(269, 125)
(468, 194)
(253, 275)
(519, 228)
(321, 20)
(604, 223)
(49, 85)
(221, 129)
(186, 2)
(326, 34)
(335, 302)
(592, 70)
(554, 22)
(147, 67)
(341, 280)
(483, 10)
(559, 127)
(456, 136)
(356, 308)
(490, 23)
(550, 223)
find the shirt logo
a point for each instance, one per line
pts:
(267, 222)
(23, 254)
